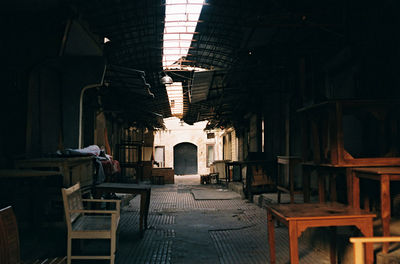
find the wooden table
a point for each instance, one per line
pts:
(289, 163)
(333, 171)
(384, 175)
(229, 166)
(143, 190)
(299, 217)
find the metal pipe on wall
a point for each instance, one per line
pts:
(81, 103)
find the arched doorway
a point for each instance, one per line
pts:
(185, 158)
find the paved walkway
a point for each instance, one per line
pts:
(185, 230)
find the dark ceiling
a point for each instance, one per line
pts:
(241, 41)
(251, 46)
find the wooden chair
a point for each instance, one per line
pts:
(9, 240)
(359, 245)
(89, 224)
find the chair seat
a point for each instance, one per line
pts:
(92, 223)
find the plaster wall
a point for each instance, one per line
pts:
(176, 133)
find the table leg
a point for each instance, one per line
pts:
(142, 212)
(291, 181)
(293, 243)
(226, 173)
(332, 185)
(321, 187)
(146, 214)
(279, 183)
(356, 190)
(279, 196)
(332, 253)
(306, 184)
(367, 230)
(385, 209)
(271, 237)
(349, 183)
(366, 204)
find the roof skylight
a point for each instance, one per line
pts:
(181, 17)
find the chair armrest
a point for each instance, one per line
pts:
(94, 211)
(116, 202)
(101, 200)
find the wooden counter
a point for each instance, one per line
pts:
(73, 169)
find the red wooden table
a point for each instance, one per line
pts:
(299, 217)
(384, 175)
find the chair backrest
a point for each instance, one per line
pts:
(9, 239)
(72, 198)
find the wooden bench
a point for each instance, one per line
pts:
(88, 223)
(9, 240)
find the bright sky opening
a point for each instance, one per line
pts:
(181, 17)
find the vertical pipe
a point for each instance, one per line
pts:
(81, 104)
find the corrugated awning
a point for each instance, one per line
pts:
(128, 79)
(200, 86)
